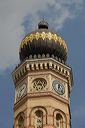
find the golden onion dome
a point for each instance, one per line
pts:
(43, 41)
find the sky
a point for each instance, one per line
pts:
(17, 18)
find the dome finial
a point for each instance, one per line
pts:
(43, 24)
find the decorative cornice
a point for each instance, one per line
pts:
(47, 64)
(43, 36)
(38, 95)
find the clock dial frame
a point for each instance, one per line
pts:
(21, 91)
(58, 87)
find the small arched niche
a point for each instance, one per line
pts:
(59, 121)
(21, 122)
(38, 119)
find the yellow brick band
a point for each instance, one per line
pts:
(43, 36)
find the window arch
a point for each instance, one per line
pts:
(33, 116)
(59, 121)
(21, 122)
(38, 119)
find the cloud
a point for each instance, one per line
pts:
(15, 15)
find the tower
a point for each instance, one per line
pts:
(43, 81)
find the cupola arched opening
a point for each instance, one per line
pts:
(59, 120)
(38, 119)
(21, 122)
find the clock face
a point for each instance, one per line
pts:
(58, 87)
(21, 91)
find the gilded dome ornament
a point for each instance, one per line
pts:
(43, 36)
(43, 41)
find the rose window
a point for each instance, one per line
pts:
(39, 84)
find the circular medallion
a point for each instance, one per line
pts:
(58, 87)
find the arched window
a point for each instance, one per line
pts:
(39, 119)
(59, 121)
(21, 122)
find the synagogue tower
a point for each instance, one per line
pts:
(43, 81)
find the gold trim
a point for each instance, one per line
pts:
(43, 36)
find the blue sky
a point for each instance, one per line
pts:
(18, 18)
